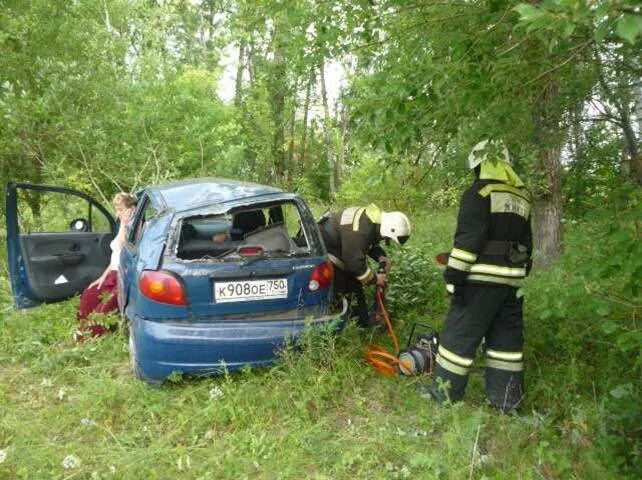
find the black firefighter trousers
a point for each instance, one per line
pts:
(348, 286)
(481, 311)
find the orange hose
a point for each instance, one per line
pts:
(376, 355)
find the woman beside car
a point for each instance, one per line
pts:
(100, 296)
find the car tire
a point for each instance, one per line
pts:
(133, 359)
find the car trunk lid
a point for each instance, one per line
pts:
(265, 286)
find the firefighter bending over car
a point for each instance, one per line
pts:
(350, 236)
(489, 261)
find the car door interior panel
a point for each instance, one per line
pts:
(54, 250)
(57, 265)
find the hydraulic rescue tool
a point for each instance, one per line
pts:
(421, 350)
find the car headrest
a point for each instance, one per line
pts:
(249, 221)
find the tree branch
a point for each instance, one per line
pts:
(577, 50)
(91, 177)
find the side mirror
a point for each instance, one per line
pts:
(79, 225)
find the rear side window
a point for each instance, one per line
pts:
(147, 211)
(278, 229)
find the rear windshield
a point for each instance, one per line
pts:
(277, 230)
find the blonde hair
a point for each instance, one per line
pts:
(127, 200)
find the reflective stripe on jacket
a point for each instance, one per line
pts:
(350, 235)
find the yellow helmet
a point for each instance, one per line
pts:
(481, 151)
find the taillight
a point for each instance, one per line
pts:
(321, 276)
(162, 287)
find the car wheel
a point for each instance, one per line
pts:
(133, 360)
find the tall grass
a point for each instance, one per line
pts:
(75, 410)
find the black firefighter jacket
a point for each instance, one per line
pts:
(493, 241)
(350, 235)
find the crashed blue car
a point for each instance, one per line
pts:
(215, 275)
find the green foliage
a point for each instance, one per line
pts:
(93, 98)
(560, 17)
(399, 186)
(587, 310)
(594, 172)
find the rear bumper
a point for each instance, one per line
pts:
(160, 348)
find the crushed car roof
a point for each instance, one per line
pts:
(192, 193)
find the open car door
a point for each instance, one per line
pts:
(57, 242)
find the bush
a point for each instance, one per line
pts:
(582, 322)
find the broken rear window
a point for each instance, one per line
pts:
(277, 229)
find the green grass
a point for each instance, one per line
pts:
(319, 413)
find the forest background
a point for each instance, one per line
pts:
(112, 95)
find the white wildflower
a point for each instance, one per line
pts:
(215, 392)
(85, 421)
(404, 472)
(70, 462)
(61, 394)
(47, 382)
(112, 470)
(3, 455)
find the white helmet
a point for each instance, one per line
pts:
(481, 151)
(395, 226)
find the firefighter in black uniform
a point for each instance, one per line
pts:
(489, 261)
(354, 233)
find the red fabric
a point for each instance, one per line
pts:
(90, 302)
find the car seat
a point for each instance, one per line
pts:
(246, 222)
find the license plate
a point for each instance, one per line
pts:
(250, 290)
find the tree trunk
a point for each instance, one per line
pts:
(327, 131)
(238, 85)
(34, 197)
(343, 147)
(290, 167)
(250, 63)
(306, 111)
(277, 94)
(621, 100)
(631, 142)
(547, 205)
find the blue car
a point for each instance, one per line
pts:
(215, 274)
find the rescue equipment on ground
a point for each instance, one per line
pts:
(419, 355)
(376, 355)
(421, 351)
(376, 312)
